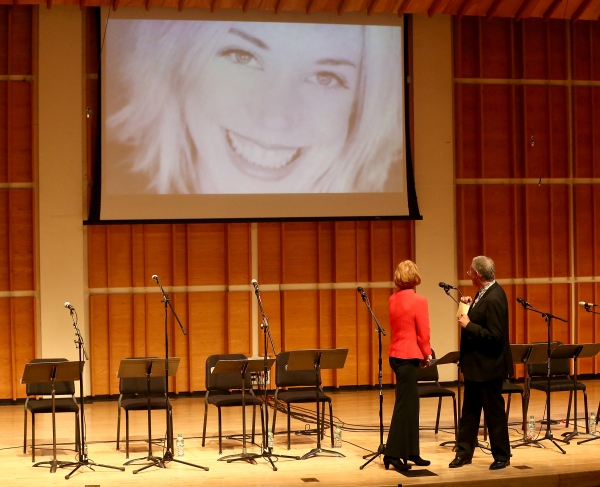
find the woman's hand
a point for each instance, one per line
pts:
(426, 361)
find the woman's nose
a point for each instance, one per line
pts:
(280, 107)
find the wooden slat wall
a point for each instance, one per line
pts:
(205, 263)
(527, 117)
(17, 200)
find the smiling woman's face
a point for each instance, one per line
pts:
(272, 109)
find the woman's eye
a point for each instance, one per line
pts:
(328, 79)
(240, 56)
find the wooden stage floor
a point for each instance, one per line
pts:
(358, 411)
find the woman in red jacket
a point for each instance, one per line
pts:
(409, 349)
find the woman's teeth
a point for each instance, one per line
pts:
(259, 155)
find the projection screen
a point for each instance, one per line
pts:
(242, 119)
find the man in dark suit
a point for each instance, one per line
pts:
(486, 362)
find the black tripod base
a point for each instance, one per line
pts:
(240, 457)
(589, 439)
(538, 442)
(162, 462)
(54, 464)
(317, 451)
(89, 464)
(372, 456)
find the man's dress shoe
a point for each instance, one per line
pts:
(498, 464)
(459, 461)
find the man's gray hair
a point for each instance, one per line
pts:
(485, 266)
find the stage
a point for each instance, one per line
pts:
(357, 411)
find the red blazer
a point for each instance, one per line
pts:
(409, 319)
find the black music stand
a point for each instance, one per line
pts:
(242, 366)
(586, 350)
(333, 358)
(135, 368)
(52, 372)
(576, 351)
(452, 358)
(520, 355)
(549, 352)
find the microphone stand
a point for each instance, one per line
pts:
(380, 331)
(83, 460)
(548, 436)
(168, 454)
(589, 310)
(267, 452)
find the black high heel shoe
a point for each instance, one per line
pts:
(398, 464)
(418, 461)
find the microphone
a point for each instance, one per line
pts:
(362, 293)
(69, 306)
(523, 303)
(447, 286)
(155, 277)
(583, 304)
(255, 284)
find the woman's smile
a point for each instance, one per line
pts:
(258, 154)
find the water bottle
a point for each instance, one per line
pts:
(337, 436)
(531, 428)
(592, 424)
(270, 439)
(179, 445)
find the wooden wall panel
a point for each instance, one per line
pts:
(20, 106)
(587, 230)
(519, 125)
(544, 49)
(17, 204)
(496, 41)
(546, 117)
(585, 39)
(99, 345)
(496, 128)
(6, 350)
(299, 251)
(586, 121)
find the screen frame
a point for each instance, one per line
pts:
(94, 215)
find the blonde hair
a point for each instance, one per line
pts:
(407, 275)
(166, 59)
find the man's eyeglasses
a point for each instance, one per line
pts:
(471, 272)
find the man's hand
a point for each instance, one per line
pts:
(463, 320)
(466, 299)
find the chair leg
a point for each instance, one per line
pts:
(288, 424)
(77, 437)
(204, 427)
(127, 434)
(25, 433)
(587, 419)
(118, 428)
(437, 419)
(455, 418)
(322, 421)
(331, 423)
(220, 439)
(569, 409)
(274, 417)
(262, 424)
(524, 411)
(508, 405)
(32, 437)
(484, 428)
(254, 420)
